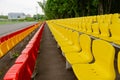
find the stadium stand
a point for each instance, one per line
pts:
(97, 38)
(25, 63)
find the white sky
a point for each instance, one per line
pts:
(25, 6)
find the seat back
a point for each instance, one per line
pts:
(104, 29)
(95, 28)
(104, 54)
(3, 48)
(89, 28)
(80, 26)
(75, 38)
(85, 44)
(115, 18)
(115, 32)
(10, 43)
(118, 62)
(70, 35)
(84, 27)
(98, 18)
(108, 18)
(14, 73)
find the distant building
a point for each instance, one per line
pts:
(16, 16)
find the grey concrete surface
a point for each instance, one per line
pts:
(8, 28)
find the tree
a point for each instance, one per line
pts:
(56, 9)
(3, 17)
(39, 17)
(42, 6)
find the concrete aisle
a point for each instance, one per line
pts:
(51, 64)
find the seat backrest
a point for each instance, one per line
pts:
(94, 18)
(108, 18)
(98, 18)
(115, 31)
(75, 38)
(83, 27)
(10, 43)
(95, 28)
(104, 54)
(88, 28)
(3, 48)
(70, 35)
(104, 29)
(85, 44)
(80, 26)
(115, 18)
(66, 33)
(14, 73)
(118, 62)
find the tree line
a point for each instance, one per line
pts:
(56, 9)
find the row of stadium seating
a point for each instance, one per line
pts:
(9, 41)
(98, 28)
(25, 63)
(91, 58)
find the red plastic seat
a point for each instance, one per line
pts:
(15, 73)
(31, 59)
(26, 72)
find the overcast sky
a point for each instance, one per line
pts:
(26, 6)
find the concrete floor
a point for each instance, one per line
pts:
(51, 63)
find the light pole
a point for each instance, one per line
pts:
(36, 13)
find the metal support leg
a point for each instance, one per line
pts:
(63, 54)
(68, 66)
(58, 46)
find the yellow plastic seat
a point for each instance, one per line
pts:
(10, 43)
(102, 68)
(115, 33)
(14, 40)
(104, 32)
(26, 33)
(58, 36)
(75, 47)
(62, 37)
(89, 28)
(68, 40)
(95, 28)
(108, 18)
(115, 18)
(80, 27)
(118, 62)
(21, 36)
(98, 18)
(85, 55)
(102, 18)
(17, 38)
(83, 27)
(3, 48)
(94, 18)
(74, 25)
